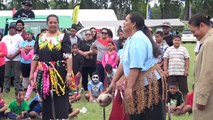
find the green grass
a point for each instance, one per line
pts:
(95, 112)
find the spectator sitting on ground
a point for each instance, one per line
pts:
(3, 106)
(25, 12)
(189, 103)
(95, 88)
(18, 107)
(35, 107)
(175, 99)
(73, 112)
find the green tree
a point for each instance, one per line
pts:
(121, 8)
(60, 4)
(139, 6)
(87, 4)
(170, 8)
(155, 12)
(2, 6)
(203, 7)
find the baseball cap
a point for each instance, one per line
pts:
(29, 31)
(166, 24)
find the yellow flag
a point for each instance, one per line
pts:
(75, 13)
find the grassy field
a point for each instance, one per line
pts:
(95, 112)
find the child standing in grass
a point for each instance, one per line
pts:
(18, 107)
(26, 47)
(110, 56)
(77, 64)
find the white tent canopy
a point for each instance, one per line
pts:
(149, 23)
(159, 22)
(84, 14)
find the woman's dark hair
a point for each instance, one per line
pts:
(138, 19)
(52, 15)
(92, 28)
(110, 34)
(199, 18)
(104, 29)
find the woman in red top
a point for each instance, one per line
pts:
(3, 54)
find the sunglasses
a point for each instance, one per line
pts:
(88, 34)
(104, 33)
(95, 77)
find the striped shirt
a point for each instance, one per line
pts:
(176, 56)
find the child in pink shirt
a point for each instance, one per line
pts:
(110, 56)
(28, 57)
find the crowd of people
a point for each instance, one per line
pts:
(57, 66)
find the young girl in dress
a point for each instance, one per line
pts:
(110, 56)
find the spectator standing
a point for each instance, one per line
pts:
(77, 64)
(12, 41)
(25, 11)
(93, 30)
(20, 29)
(74, 39)
(26, 46)
(100, 47)
(168, 37)
(162, 45)
(176, 65)
(3, 54)
(89, 65)
(110, 56)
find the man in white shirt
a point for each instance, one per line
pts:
(12, 41)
